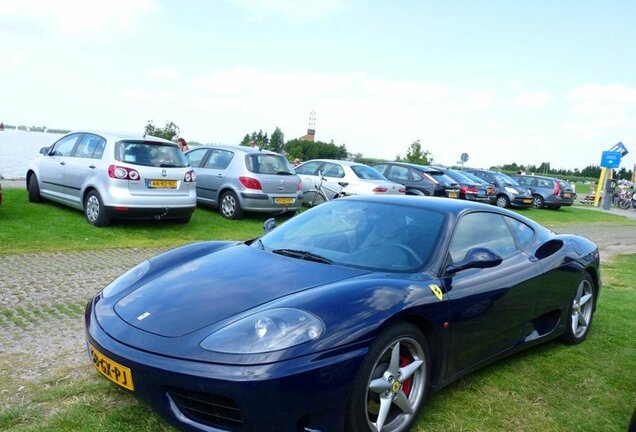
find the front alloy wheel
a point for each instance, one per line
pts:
(392, 383)
(581, 311)
(503, 201)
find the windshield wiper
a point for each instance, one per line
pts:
(304, 255)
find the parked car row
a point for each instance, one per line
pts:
(116, 176)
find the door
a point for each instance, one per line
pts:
(490, 308)
(211, 175)
(52, 167)
(82, 165)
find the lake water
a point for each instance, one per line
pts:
(18, 148)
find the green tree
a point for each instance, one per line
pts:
(277, 141)
(246, 140)
(306, 150)
(170, 131)
(416, 155)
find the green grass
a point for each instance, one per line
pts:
(28, 227)
(574, 215)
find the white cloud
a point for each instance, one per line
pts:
(602, 100)
(532, 100)
(162, 73)
(79, 16)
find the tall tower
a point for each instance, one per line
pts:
(311, 130)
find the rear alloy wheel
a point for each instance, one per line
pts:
(34, 190)
(581, 311)
(503, 201)
(537, 201)
(230, 206)
(391, 385)
(94, 210)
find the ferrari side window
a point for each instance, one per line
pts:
(481, 230)
(521, 232)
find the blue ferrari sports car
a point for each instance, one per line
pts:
(343, 318)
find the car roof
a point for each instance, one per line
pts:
(424, 168)
(342, 162)
(241, 148)
(122, 136)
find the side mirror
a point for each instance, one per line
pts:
(269, 225)
(44, 150)
(479, 257)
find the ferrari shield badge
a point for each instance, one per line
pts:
(437, 291)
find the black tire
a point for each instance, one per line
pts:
(230, 207)
(581, 311)
(503, 201)
(34, 190)
(94, 210)
(624, 204)
(390, 390)
(537, 201)
(314, 198)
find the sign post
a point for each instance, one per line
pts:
(610, 159)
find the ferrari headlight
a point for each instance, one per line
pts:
(126, 279)
(267, 331)
(512, 190)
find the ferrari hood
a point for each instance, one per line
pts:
(219, 285)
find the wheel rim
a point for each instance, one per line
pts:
(92, 208)
(537, 202)
(502, 202)
(228, 205)
(582, 307)
(396, 386)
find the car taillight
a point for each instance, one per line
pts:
(557, 188)
(463, 189)
(122, 173)
(250, 183)
(380, 189)
(190, 177)
(471, 190)
(402, 190)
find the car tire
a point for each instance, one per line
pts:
(503, 201)
(230, 207)
(94, 210)
(537, 201)
(581, 311)
(34, 190)
(392, 383)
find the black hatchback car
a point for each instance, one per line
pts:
(547, 191)
(509, 192)
(420, 179)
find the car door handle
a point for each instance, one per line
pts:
(62, 163)
(91, 166)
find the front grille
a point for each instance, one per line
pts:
(212, 410)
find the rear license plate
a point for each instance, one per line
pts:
(112, 370)
(567, 195)
(162, 184)
(453, 194)
(527, 201)
(283, 201)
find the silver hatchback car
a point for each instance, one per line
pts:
(237, 178)
(115, 176)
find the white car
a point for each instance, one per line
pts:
(361, 179)
(115, 176)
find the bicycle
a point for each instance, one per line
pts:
(322, 193)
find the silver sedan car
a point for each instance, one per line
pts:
(360, 179)
(115, 176)
(236, 179)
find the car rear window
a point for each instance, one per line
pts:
(442, 178)
(150, 153)
(366, 172)
(265, 163)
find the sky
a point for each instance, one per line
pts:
(503, 81)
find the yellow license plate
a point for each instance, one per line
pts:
(284, 201)
(527, 201)
(452, 194)
(112, 370)
(163, 184)
(566, 195)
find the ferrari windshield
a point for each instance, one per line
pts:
(362, 234)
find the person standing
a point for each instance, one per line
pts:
(183, 145)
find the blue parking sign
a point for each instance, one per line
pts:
(611, 159)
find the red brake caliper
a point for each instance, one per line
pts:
(406, 385)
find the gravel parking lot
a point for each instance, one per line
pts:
(43, 295)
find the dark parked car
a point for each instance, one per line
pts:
(547, 191)
(345, 316)
(420, 179)
(509, 192)
(470, 189)
(236, 179)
